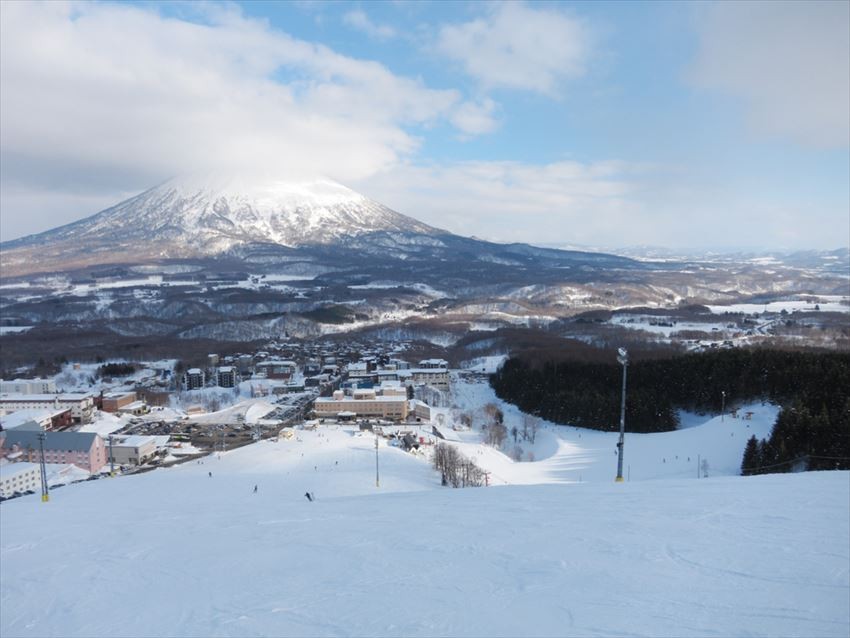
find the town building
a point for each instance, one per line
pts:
(86, 450)
(433, 364)
(114, 401)
(227, 377)
(136, 408)
(421, 410)
(48, 419)
(18, 478)
(132, 450)
(312, 367)
(317, 381)
(393, 389)
(276, 369)
(28, 386)
(363, 403)
(81, 405)
(436, 377)
(194, 379)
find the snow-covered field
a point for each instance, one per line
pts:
(640, 322)
(830, 303)
(177, 552)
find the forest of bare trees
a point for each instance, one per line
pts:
(456, 469)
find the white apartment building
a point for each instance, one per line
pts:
(81, 405)
(28, 386)
(19, 477)
(436, 377)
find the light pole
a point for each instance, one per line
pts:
(722, 405)
(111, 458)
(377, 467)
(45, 492)
(623, 359)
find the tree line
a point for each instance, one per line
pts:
(813, 389)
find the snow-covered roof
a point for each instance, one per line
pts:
(19, 417)
(133, 441)
(117, 395)
(135, 405)
(330, 400)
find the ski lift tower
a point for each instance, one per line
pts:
(623, 359)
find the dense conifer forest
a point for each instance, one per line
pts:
(812, 430)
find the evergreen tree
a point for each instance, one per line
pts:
(751, 457)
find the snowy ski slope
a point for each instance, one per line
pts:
(176, 552)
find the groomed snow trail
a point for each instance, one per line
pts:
(176, 552)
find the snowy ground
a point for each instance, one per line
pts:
(641, 322)
(547, 555)
(565, 454)
(830, 303)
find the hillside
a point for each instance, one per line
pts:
(177, 552)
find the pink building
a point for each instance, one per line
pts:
(86, 450)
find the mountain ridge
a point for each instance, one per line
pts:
(207, 215)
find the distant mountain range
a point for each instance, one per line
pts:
(245, 258)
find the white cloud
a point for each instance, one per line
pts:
(603, 204)
(788, 61)
(95, 89)
(511, 201)
(358, 19)
(516, 46)
(475, 118)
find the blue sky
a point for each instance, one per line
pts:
(606, 124)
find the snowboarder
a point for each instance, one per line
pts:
(255, 489)
(210, 473)
(308, 496)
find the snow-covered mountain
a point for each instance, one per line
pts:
(209, 214)
(212, 212)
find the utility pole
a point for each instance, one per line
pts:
(111, 458)
(623, 359)
(377, 467)
(45, 492)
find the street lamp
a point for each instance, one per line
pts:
(722, 405)
(377, 469)
(623, 359)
